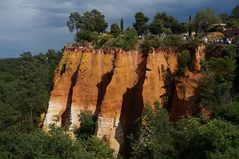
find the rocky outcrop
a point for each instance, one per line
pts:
(62, 90)
(160, 67)
(93, 76)
(129, 69)
(115, 85)
(185, 93)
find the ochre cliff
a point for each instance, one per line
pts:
(115, 85)
(185, 93)
(59, 101)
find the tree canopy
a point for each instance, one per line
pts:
(115, 30)
(89, 22)
(165, 23)
(140, 24)
(205, 18)
(74, 22)
(235, 12)
(122, 24)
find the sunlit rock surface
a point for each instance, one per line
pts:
(115, 85)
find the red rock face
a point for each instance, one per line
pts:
(160, 64)
(62, 85)
(115, 85)
(129, 68)
(185, 93)
(93, 73)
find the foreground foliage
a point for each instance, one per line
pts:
(186, 139)
(55, 145)
(25, 85)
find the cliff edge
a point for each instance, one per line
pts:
(115, 85)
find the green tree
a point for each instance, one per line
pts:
(151, 41)
(126, 41)
(167, 24)
(55, 145)
(220, 138)
(102, 41)
(53, 58)
(94, 21)
(74, 22)
(155, 139)
(173, 41)
(86, 36)
(230, 112)
(219, 73)
(87, 125)
(98, 148)
(186, 133)
(215, 139)
(235, 12)
(140, 24)
(204, 19)
(115, 30)
(224, 17)
(233, 22)
(154, 41)
(121, 24)
(184, 60)
(190, 26)
(88, 25)
(25, 85)
(8, 116)
(156, 27)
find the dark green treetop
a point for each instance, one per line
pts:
(115, 30)
(140, 24)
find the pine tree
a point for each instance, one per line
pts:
(121, 24)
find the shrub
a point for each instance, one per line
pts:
(155, 139)
(184, 60)
(86, 36)
(219, 74)
(126, 41)
(102, 40)
(115, 30)
(174, 41)
(215, 139)
(151, 41)
(87, 125)
(230, 112)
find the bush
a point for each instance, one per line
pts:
(217, 138)
(102, 40)
(115, 30)
(151, 41)
(155, 139)
(87, 125)
(173, 41)
(230, 112)
(169, 42)
(126, 41)
(184, 60)
(219, 74)
(55, 145)
(86, 36)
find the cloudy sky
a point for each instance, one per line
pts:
(37, 25)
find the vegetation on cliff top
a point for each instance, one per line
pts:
(91, 27)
